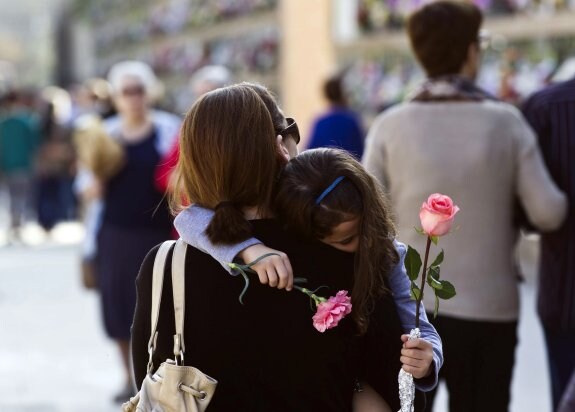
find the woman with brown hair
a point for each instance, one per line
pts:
(267, 366)
(239, 345)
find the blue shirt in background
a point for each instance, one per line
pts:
(338, 128)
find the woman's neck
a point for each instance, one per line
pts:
(136, 128)
(254, 213)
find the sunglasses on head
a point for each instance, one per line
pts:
(291, 130)
(134, 91)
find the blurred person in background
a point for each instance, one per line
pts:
(339, 127)
(101, 95)
(453, 138)
(204, 80)
(55, 165)
(551, 112)
(18, 145)
(568, 399)
(99, 156)
(135, 216)
(94, 96)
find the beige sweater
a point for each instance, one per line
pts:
(483, 155)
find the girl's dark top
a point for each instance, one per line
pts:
(266, 354)
(132, 201)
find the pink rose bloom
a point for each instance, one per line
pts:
(437, 214)
(330, 312)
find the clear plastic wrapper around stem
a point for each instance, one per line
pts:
(406, 384)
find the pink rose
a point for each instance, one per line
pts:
(437, 214)
(330, 312)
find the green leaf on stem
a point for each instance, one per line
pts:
(434, 272)
(436, 308)
(412, 263)
(434, 239)
(415, 292)
(432, 279)
(446, 292)
(438, 260)
(420, 231)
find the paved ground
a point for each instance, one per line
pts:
(55, 358)
(53, 354)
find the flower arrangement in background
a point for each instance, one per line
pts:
(329, 311)
(436, 216)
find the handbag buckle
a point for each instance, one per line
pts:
(180, 359)
(178, 350)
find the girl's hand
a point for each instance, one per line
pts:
(416, 356)
(274, 270)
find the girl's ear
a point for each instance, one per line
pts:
(282, 149)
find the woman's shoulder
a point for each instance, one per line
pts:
(112, 126)
(274, 234)
(196, 261)
(168, 127)
(310, 258)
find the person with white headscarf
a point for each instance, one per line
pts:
(135, 216)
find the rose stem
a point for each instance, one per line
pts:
(418, 304)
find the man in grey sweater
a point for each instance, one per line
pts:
(455, 139)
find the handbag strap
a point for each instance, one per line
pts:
(179, 293)
(157, 285)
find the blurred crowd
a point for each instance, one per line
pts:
(38, 156)
(104, 152)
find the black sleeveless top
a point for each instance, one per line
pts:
(132, 200)
(266, 354)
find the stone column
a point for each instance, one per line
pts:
(307, 57)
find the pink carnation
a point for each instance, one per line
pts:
(330, 312)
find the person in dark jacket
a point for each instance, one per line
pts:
(551, 113)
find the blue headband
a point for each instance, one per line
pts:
(329, 189)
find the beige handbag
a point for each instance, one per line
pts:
(173, 387)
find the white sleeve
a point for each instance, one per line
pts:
(191, 225)
(374, 156)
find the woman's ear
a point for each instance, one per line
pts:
(282, 149)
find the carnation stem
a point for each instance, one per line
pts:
(311, 293)
(423, 276)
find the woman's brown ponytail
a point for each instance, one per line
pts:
(228, 226)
